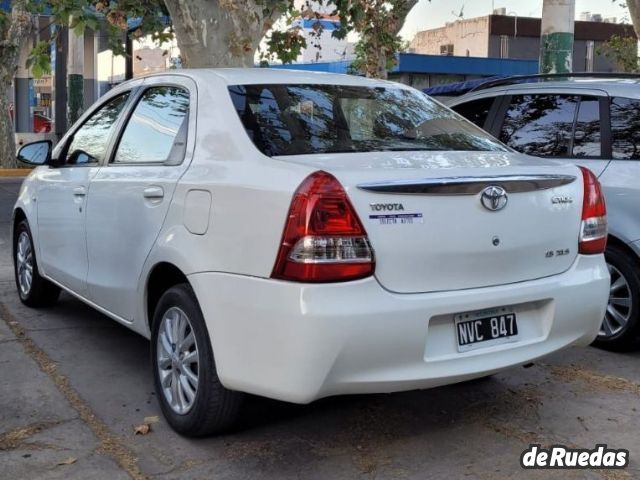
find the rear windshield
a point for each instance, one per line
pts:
(303, 119)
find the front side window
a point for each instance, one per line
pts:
(157, 129)
(89, 143)
(625, 128)
(475, 111)
(307, 119)
(540, 124)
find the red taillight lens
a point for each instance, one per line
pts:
(593, 230)
(323, 239)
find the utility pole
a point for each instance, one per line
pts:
(556, 36)
(75, 76)
(23, 120)
(128, 56)
(90, 68)
(60, 82)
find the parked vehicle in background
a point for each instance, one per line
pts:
(299, 235)
(595, 122)
(41, 124)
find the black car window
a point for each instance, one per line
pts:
(89, 143)
(540, 124)
(306, 119)
(625, 128)
(586, 136)
(156, 131)
(475, 111)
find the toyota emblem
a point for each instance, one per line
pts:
(493, 198)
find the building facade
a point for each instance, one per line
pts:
(322, 46)
(509, 36)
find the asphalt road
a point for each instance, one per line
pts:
(73, 384)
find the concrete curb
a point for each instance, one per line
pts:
(14, 172)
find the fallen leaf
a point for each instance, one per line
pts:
(141, 429)
(68, 461)
(150, 420)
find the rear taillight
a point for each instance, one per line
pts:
(593, 230)
(323, 239)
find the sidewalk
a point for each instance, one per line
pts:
(41, 435)
(14, 172)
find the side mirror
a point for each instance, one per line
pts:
(36, 153)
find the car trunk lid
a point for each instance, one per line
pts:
(438, 221)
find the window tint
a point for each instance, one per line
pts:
(475, 110)
(157, 129)
(586, 137)
(540, 124)
(625, 128)
(304, 119)
(89, 144)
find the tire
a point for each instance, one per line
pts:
(38, 292)
(620, 329)
(212, 408)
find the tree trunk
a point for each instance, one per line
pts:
(220, 33)
(634, 13)
(7, 137)
(13, 35)
(379, 39)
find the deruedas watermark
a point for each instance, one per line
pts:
(562, 457)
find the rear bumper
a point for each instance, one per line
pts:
(297, 342)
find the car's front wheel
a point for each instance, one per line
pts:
(34, 290)
(191, 396)
(620, 328)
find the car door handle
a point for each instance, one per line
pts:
(79, 192)
(153, 192)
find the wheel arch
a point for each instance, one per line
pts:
(161, 278)
(612, 240)
(19, 215)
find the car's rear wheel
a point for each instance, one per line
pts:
(191, 396)
(33, 289)
(620, 328)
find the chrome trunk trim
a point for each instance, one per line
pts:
(468, 185)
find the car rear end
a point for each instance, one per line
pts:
(415, 253)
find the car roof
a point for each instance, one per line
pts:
(249, 76)
(624, 87)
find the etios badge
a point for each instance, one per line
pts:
(494, 198)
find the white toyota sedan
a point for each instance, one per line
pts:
(297, 235)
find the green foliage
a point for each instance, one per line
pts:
(39, 60)
(286, 45)
(377, 22)
(79, 15)
(623, 51)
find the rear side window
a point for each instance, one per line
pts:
(475, 111)
(307, 119)
(540, 124)
(625, 128)
(586, 137)
(156, 131)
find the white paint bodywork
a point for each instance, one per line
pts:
(220, 222)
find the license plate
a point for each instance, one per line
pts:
(485, 328)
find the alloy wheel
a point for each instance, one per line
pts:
(24, 263)
(619, 307)
(177, 360)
